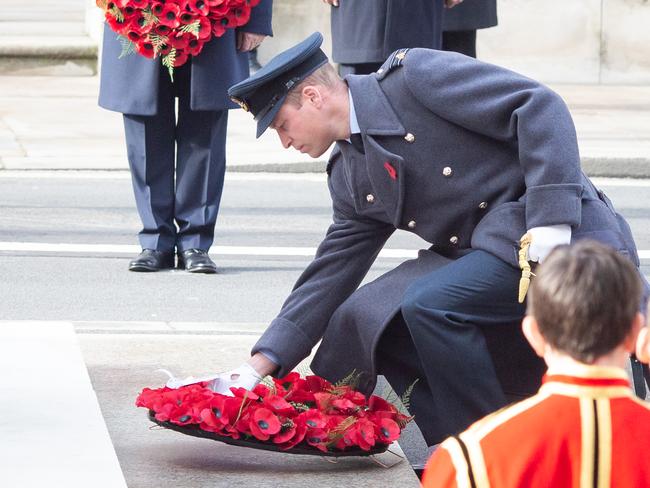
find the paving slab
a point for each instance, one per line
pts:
(120, 365)
(51, 429)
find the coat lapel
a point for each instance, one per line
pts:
(377, 119)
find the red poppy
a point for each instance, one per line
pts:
(314, 419)
(199, 7)
(264, 424)
(138, 3)
(316, 383)
(178, 42)
(388, 430)
(137, 23)
(205, 28)
(363, 434)
(181, 58)
(157, 8)
(116, 25)
(244, 393)
(146, 49)
(377, 403)
(278, 404)
(169, 15)
(324, 400)
(242, 15)
(317, 438)
(162, 30)
(187, 18)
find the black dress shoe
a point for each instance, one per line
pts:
(196, 261)
(152, 260)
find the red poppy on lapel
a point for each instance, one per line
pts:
(392, 172)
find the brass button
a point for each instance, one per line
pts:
(380, 71)
(447, 171)
(411, 224)
(400, 55)
(453, 240)
(482, 205)
(409, 137)
(370, 198)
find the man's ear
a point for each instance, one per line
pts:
(639, 339)
(312, 95)
(531, 330)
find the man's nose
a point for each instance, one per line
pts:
(285, 140)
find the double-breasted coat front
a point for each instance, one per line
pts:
(466, 155)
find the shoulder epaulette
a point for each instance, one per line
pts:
(395, 60)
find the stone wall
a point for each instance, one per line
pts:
(569, 41)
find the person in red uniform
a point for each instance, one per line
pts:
(585, 427)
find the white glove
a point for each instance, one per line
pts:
(243, 377)
(544, 239)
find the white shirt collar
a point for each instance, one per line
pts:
(354, 123)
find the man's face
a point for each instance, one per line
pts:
(303, 127)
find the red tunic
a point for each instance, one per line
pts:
(584, 428)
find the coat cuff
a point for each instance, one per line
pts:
(287, 342)
(553, 204)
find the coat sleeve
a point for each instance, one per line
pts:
(515, 110)
(341, 262)
(260, 21)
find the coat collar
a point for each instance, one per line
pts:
(374, 112)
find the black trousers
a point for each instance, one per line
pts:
(463, 42)
(177, 166)
(459, 335)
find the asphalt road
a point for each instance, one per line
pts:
(257, 212)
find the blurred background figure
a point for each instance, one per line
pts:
(366, 32)
(459, 25)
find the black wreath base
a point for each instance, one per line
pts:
(303, 448)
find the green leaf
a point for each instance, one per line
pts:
(149, 17)
(406, 396)
(192, 28)
(168, 61)
(127, 46)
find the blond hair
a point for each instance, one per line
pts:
(324, 76)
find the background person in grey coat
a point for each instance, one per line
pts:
(459, 25)
(365, 32)
(470, 157)
(177, 168)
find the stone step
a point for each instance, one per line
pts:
(71, 55)
(52, 432)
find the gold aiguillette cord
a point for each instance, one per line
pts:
(526, 273)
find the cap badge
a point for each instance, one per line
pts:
(241, 103)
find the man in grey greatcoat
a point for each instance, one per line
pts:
(470, 157)
(177, 166)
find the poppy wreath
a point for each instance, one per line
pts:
(172, 29)
(298, 415)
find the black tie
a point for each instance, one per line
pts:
(357, 142)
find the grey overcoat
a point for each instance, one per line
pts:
(470, 15)
(465, 154)
(367, 31)
(130, 84)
